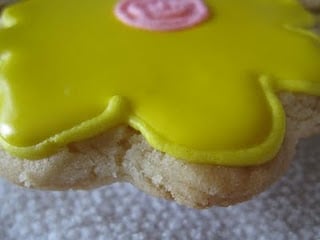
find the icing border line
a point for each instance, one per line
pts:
(251, 156)
(118, 112)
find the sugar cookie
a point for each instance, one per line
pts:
(198, 101)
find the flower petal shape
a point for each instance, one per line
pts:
(70, 70)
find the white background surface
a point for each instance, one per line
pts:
(290, 209)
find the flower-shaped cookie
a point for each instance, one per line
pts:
(71, 70)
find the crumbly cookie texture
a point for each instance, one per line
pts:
(123, 155)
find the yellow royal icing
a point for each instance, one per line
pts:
(70, 70)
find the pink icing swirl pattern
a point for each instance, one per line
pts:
(161, 15)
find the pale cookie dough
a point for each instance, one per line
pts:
(122, 155)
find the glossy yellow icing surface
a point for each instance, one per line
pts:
(70, 70)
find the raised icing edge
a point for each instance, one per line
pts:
(116, 114)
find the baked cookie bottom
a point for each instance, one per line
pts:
(123, 155)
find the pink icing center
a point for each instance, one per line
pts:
(161, 15)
